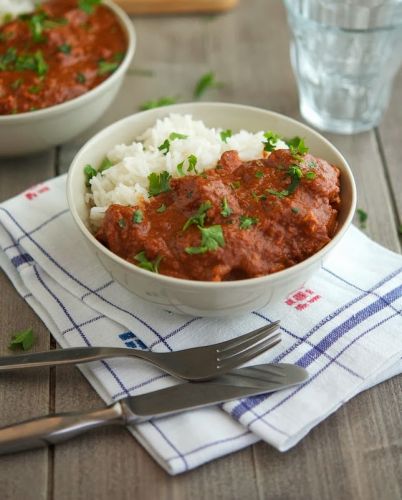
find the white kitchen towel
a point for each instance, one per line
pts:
(344, 325)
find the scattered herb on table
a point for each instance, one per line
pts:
(159, 183)
(207, 81)
(362, 217)
(199, 217)
(22, 340)
(147, 264)
(211, 239)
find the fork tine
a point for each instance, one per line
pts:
(260, 335)
(249, 354)
(243, 338)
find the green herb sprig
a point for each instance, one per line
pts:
(199, 217)
(22, 340)
(158, 183)
(211, 239)
(147, 264)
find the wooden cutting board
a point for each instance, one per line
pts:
(175, 6)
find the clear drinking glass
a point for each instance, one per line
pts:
(345, 54)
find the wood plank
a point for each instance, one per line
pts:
(109, 463)
(22, 476)
(390, 142)
(175, 6)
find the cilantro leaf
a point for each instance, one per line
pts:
(295, 210)
(36, 26)
(199, 217)
(259, 174)
(157, 103)
(106, 163)
(180, 168)
(295, 174)
(226, 210)
(207, 81)
(175, 135)
(105, 67)
(279, 194)
(362, 217)
(297, 146)
(246, 222)
(165, 147)
(138, 216)
(65, 48)
(88, 6)
(211, 239)
(161, 209)
(159, 183)
(149, 265)
(271, 141)
(310, 175)
(192, 162)
(80, 78)
(89, 172)
(225, 135)
(22, 340)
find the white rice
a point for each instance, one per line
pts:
(9, 9)
(126, 182)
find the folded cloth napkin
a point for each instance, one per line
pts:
(344, 326)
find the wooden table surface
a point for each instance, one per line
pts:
(356, 453)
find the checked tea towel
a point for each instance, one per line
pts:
(344, 326)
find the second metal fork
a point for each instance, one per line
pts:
(197, 363)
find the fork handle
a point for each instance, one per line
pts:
(54, 429)
(68, 356)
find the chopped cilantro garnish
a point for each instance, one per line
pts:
(89, 172)
(295, 174)
(138, 216)
(157, 103)
(271, 141)
(118, 56)
(246, 222)
(149, 265)
(36, 26)
(279, 194)
(80, 78)
(159, 183)
(192, 162)
(259, 174)
(106, 163)
(165, 147)
(161, 209)
(362, 217)
(122, 223)
(206, 82)
(297, 146)
(17, 83)
(226, 210)
(180, 168)
(175, 135)
(235, 184)
(88, 6)
(258, 197)
(35, 89)
(211, 239)
(310, 175)
(225, 134)
(295, 210)
(22, 340)
(8, 58)
(105, 67)
(65, 48)
(199, 217)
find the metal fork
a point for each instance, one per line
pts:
(197, 363)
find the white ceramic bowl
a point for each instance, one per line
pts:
(195, 297)
(27, 133)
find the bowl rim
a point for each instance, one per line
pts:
(164, 279)
(130, 33)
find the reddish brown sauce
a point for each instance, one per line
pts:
(264, 232)
(56, 54)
